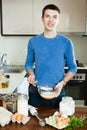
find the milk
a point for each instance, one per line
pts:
(22, 105)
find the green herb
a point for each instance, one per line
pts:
(75, 123)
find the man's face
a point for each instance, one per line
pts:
(50, 19)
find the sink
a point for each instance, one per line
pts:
(13, 68)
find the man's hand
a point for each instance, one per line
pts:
(58, 88)
(31, 80)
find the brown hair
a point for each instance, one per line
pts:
(50, 6)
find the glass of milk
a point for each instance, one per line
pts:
(22, 104)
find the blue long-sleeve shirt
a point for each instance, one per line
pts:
(50, 56)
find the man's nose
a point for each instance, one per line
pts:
(51, 19)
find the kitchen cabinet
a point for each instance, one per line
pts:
(24, 17)
(16, 17)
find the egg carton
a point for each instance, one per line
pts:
(5, 116)
(51, 120)
(19, 118)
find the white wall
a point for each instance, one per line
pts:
(16, 48)
(80, 45)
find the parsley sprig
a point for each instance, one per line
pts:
(76, 123)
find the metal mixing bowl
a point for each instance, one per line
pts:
(47, 92)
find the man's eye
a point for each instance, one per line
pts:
(55, 17)
(47, 16)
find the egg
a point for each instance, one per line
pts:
(14, 116)
(19, 118)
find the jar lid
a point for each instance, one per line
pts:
(67, 98)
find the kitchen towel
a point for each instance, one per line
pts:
(23, 87)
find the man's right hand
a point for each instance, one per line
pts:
(31, 80)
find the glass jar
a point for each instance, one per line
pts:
(67, 106)
(22, 104)
(9, 102)
(11, 105)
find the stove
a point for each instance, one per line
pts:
(79, 75)
(77, 86)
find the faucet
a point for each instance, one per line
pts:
(2, 61)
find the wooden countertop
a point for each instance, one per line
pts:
(43, 112)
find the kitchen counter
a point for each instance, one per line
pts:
(43, 112)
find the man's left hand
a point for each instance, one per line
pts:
(58, 88)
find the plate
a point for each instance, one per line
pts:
(57, 120)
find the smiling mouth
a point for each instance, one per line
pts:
(50, 24)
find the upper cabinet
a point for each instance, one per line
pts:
(72, 17)
(23, 17)
(17, 17)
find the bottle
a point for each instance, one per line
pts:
(22, 104)
(4, 81)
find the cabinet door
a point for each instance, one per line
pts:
(17, 17)
(72, 17)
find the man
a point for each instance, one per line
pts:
(49, 52)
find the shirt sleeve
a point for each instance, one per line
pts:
(29, 63)
(70, 57)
